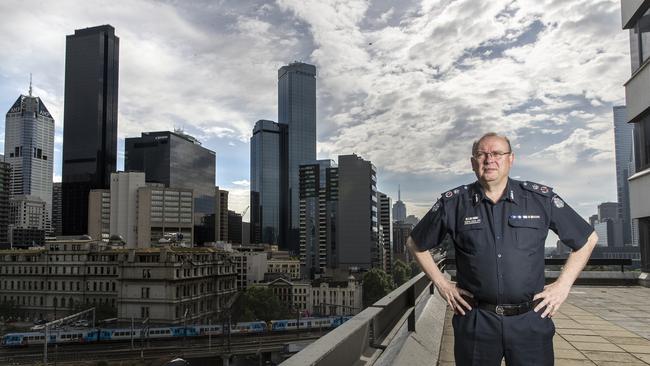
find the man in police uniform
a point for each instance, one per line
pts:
(499, 226)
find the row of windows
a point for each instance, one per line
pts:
(55, 285)
(57, 270)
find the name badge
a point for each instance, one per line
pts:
(472, 220)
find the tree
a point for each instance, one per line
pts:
(415, 268)
(401, 272)
(376, 284)
(259, 303)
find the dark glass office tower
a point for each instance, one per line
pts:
(90, 120)
(269, 187)
(297, 110)
(178, 160)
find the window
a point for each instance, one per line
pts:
(640, 41)
(144, 292)
(642, 143)
(144, 312)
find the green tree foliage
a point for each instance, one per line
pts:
(415, 268)
(401, 272)
(376, 284)
(259, 303)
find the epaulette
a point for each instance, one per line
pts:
(537, 188)
(455, 192)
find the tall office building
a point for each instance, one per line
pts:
(99, 214)
(386, 228)
(297, 110)
(90, 120)
(399, 208)
(623, 141)
(635, 17)
(357, 224)
(317, 212)
(178, 160)
(234, 227)
(29, 149)
(165, 215)
(124, 202)
(57, 210)
(269, 187)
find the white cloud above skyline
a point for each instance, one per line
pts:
(406, 85)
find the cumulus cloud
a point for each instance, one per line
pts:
(408, 85)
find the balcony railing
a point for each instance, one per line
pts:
(380, 334)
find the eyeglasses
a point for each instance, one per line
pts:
(483, 155)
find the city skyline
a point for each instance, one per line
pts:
(547, 75)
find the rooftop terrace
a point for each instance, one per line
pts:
(597, 325)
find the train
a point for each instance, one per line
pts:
(93, 335)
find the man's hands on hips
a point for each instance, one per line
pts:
(552, 297)
(454, 295)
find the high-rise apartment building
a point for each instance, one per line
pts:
(90, 120)
(399, 208)
(29, 148)
(234, 227)
(317, 214)
(386, 229)
(178, 160)
(297, 110)
(269, 186)
(357, 223)
(623, 140)
(636, 17)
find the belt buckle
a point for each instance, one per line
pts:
(499, 309)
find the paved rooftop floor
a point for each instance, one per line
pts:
(595, 326)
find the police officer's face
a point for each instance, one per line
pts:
(491, 164)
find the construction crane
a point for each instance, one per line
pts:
(245, 210)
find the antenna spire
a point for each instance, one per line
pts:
(30, 84)
(399, 192)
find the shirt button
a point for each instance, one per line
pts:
(499, 255)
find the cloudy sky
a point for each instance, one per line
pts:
(408, 85)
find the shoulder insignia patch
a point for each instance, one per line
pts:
(436, 206)
(557, 201)
(537, 188)
(454, 192)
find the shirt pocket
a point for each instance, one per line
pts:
(529, 234)
(469, 237)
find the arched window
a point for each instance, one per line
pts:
(55, 303)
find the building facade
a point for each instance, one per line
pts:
(5, 208)
(297, 110)
(124, 206)
(358, 241)
(57, 209)
(221, 223)
(164, 215)
(635, 18)
(399, 208)
(156, 283)
(386, 229)
(269, 186)
(178, 160)
(317, 217)
(90, 120)
(99, 214)
(623, 147)
(234, 227)
(29, 149)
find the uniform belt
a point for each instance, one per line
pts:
(506, 309)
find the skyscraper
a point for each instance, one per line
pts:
(385, 220)
(399, 208)
(623, 137)
(90, 120)
(29, 149)
(317, 211)
(178, 160)
(297, 110)
(57, 221)
(358, 237)
(269, 211)
(5, 191)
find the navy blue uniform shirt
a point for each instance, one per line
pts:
(500, 246)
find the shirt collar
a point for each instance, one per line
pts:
(511, 193)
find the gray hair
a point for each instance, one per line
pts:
(489, 134)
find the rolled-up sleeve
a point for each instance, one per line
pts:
(570, 227)
(432, 229)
